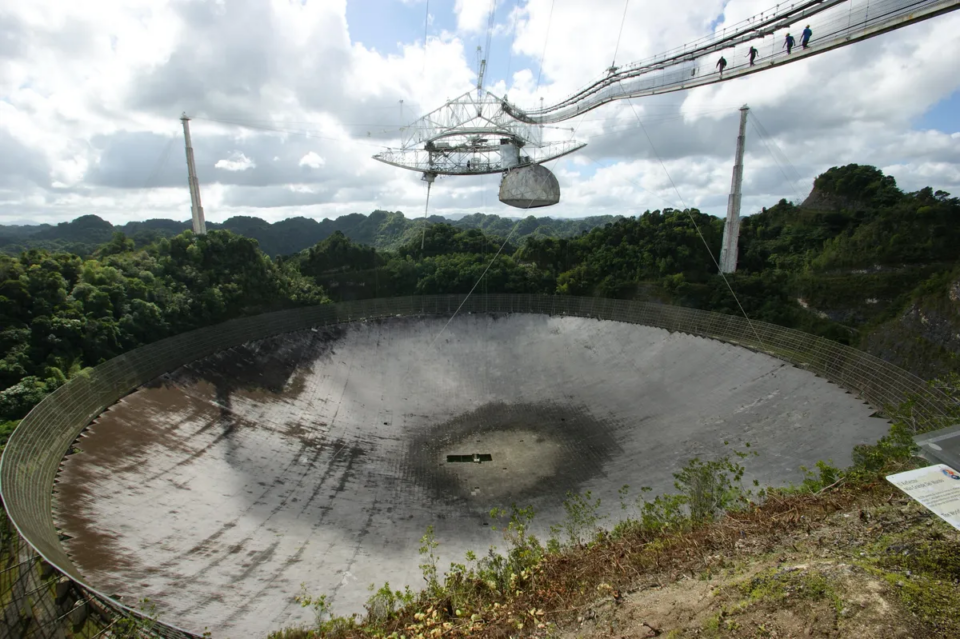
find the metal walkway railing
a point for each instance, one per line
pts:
(835, 23)
(33, 590)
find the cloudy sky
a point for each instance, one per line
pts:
(91, 92)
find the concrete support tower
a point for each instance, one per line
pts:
(199, 225)
(731, 229)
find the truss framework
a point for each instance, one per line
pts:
(464, 137)
(470, 160)
(480, 115)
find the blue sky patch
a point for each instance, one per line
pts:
(943, 116)
(384, 26)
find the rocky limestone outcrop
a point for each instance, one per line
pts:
(821, 201)
(852, 187)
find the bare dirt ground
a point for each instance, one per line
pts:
(880, 567)
(856, 562)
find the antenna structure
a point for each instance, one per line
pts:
(199, 224)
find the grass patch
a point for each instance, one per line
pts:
(797, 583)
(700, 532)
(922, 565)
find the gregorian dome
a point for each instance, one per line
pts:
(529, 187)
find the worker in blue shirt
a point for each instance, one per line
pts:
(805, 36)
(788, 43)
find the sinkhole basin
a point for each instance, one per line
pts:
(321, 456)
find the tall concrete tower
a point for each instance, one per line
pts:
(199, 225)
(731, 229)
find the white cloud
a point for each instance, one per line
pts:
(237, 162)
(312, 160)
(90, 107)
(69, 171)
(472, 15)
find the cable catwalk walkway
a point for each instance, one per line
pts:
(835, 23)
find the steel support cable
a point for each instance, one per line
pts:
(152, 176)
(426, 206)
(829, 39)
(304, 132)
(19, 565)
(777, 149)
(490, 25)
(267, 121)
(162, 160)
(764, 136)
(584, 103)
(695, 225)
(509, 50)
(822, 36)
(426, 23)
(616, 49)
(656, 118)
(693, 53)
(391, 127)
(107, 628)
(664, 115)
(688, 55)
(546, 40)
(754, 24)
(473, 288)
(494, 259)
(777, 162)
(312, 132)
(790, 181)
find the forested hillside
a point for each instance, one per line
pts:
(862, 263)
(384, 230)
(61, 313)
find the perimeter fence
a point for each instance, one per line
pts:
(42, 593)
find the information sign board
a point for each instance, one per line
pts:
(937, 487)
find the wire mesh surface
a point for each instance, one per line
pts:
(38, 602)
(33, 454)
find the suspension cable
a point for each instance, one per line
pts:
(276, 129)
(480, 279)
(426, 23)
(696, 226)
(490, 23)
(764, 136)
(836, 28)
(546, 40)
(777, 161)
(616, 49)
(423, 235)
(155, 172)
(509, 51)
(494, 259)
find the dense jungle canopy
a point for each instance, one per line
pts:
(860, 262)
